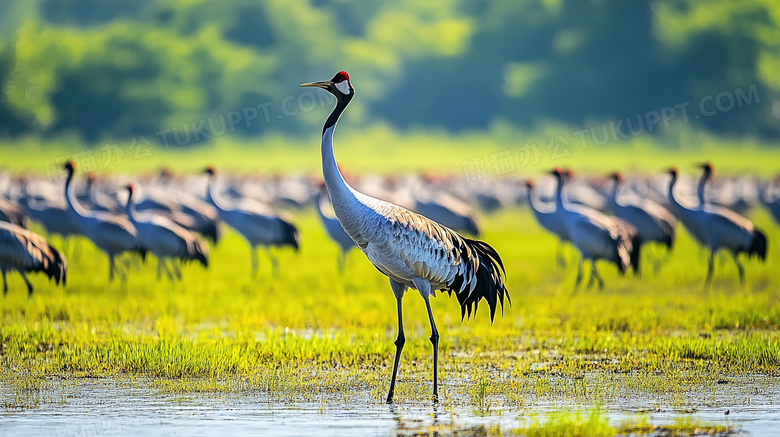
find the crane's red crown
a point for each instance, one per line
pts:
(340, 77)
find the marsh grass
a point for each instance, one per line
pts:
(310, 333)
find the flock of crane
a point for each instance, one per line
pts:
(173, 217)
(415, 236)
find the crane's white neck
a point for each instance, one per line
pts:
(341, 194)
(613, 194)
(700, 189)
(129, 210)
(672, 199)
(211, 197)
(559, 194)
(73, 206)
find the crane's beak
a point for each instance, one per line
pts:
(325, 84)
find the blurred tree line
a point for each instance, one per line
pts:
(118, 68)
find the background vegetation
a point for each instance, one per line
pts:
(114, 70)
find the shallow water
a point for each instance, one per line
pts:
(119, 407)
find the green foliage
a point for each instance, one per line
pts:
(112, 69)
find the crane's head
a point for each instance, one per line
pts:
(616, 176)
(210, 170)
(340, 86)
(530, 184)
(69, 166)
(557, 172)
(706, 167)
(130, 188)
(672, 171)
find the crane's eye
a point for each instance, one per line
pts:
(343, 86)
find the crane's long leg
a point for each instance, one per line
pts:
(398, 290)
(5, 283)
(27, 281)
(159, 268)
(254, 260)
(435, 341)
(342, 260)
(710, 266)
(110, 267)
(274, 261)
(579, 275)
(740, 269)
(595, 274)
(559, 258)
(175, 267)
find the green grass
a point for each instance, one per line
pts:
(310, 327)
(312, 334)
(381, 150)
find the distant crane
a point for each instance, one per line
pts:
(549, 219)
(716, 227)
(333, 228)
(410, 249)
(111, 233)
(165, 239)
(259, 226)
(597, 236)
(13, 213)
(449, 211)
(653, 222)
(25, 251)
(771, 202)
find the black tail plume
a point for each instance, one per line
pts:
(487, 270)
(758, 245)
(636, 245)
(290, 235)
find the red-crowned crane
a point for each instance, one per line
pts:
(333, 228)
(596, 236)
(410, 249)
(111, 233)
(716, 227)
(548, 218)
(165, 239)
(653, 222)
(25, 251)
(259, 226)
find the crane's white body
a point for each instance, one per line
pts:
(111, 233)
(652, 221)
(334, 230)
(165, 239)
(258, 225)
(24, 251)
(716, 228)
(596, 236)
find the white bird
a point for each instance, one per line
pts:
(410, 249)
(259, 226)
(25, 251)
(597, 236)
(653, 222)
(716, 227)
(165, 239)
(333, 228)
(549, 219)
(111, 233)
